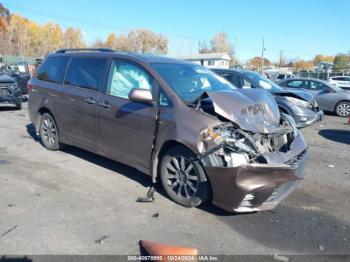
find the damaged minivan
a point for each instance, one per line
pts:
(176, 121)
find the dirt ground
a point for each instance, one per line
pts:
(74, 202)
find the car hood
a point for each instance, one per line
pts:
(6, 79)
(297, 94)
(252, 109)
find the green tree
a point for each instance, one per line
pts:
(322, 58)
(342, 62)
(73, 38)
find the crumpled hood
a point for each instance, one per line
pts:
(253, 110)
(6, 79)
(297, 94)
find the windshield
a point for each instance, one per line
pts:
(263, 82)
(190, 81)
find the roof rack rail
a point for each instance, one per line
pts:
(65, 50)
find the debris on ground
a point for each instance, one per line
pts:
(331, 166)
(320, 247)
(149, 197)
(4, 162)
(100, 240)
(8, 231)
(281, 258)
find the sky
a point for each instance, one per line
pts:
(300, 28)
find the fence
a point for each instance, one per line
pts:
(322, 75)
(16, 59)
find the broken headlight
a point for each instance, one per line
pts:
(299, 102)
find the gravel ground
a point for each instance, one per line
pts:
(74, 202)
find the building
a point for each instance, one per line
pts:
(212, 60)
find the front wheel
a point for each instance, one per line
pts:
(181, 175)
(343, 109)
(48, 132)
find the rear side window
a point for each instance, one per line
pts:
(85, 72)
(52, 70)
(295, 84)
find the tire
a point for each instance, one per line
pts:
(181, 173)
(48, 132)
(19, 106)
(343, 109)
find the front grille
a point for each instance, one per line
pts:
(4, 92)
(280, 190)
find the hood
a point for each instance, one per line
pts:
(253, 110)
(297, 94)
(6, 79)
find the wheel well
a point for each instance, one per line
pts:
(156, 160)
(283, 110)
(347, 101)
(42, 111)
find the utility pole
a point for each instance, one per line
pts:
(281, 58)
(234, 51)
(262, 56)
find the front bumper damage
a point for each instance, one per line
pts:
(9, 96)
(305, 120)
(259, 185)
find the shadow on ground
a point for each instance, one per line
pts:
(8, 108)
(336, 135)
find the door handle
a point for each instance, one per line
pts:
(90, 101)
(104, 105)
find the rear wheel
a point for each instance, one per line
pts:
(181, 176)
(48, 132)
(343, 109)
(19, 106)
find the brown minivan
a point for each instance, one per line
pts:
(173, 120)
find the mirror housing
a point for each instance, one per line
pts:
(141, 96)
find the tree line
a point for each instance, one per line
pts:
(21, 37)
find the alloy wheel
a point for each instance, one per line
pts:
(49, 131)
(343, 109)
(182, 177)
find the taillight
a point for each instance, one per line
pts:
(29, 86)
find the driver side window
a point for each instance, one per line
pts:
(313, 85)
(124, 76)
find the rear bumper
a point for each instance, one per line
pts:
(256, 187)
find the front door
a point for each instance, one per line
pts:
(126, 128)
(321, 93)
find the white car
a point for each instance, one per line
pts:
(340, 81)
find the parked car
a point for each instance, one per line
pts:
(329, 97)
(10, 93)
(298, 104)
(174, 120)
(340, 81)
(20, 72)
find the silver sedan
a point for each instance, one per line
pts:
(329, 97)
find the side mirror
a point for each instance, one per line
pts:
(141, 96)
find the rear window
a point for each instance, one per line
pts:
(52, 70)
(85, 72)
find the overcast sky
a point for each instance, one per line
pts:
(301, 28)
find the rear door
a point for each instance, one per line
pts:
(77, 100)
(126, 129)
